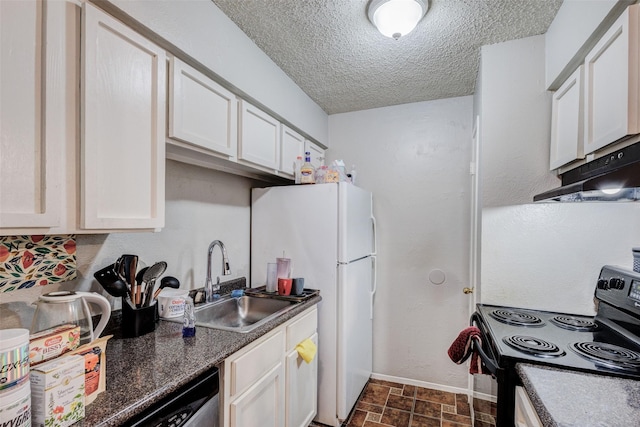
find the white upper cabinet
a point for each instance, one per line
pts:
(317, 153)
(30, 153)
(292, 146)
(259, 137)
(612, 83)
(567, 122)
(201, 112)
(122, 154)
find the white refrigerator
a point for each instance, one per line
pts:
(328, 231)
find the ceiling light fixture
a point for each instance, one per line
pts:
(396, 18)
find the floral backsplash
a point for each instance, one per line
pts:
(27, 261)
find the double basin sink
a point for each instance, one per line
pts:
(240, 314)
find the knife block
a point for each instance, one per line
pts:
(138, 321)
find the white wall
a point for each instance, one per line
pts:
(415, 160)
(215, 41)
(201, 205)
(515, 111)
(548, 256)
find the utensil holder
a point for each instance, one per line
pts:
(138, 321)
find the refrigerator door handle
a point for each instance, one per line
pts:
(374, 265)
(375, 236)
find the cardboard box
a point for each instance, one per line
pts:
(54, 342)
(95, 363)
(57, 392)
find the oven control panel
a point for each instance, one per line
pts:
(619, 287)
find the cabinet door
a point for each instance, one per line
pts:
(262, 404)
(317, 153)
(301, 389)
(567, 127)
(291, 147)
(201, 112)
(612, 76)
(259, 137)
(123, 126)
(30, 179)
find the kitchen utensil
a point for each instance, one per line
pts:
(127, 269)
(167, 282)
(111, 281)
(149, 277)
(68, 307)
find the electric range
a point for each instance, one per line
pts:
(607, 344)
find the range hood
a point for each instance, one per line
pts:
(614, 177)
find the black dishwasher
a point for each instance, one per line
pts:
(195, 404)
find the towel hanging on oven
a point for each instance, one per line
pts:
(462, 347)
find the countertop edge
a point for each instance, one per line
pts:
(109, 409)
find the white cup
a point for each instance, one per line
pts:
(171, 303)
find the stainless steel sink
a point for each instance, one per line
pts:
(242, 314)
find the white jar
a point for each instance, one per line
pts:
(171, 303)
(15, 405)
(14, 356)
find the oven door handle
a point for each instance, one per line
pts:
(489, 362)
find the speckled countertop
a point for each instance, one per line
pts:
(573, 399)
(144, 369)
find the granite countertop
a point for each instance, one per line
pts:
(147, 368)
(567, 398)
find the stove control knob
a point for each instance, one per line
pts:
(616, 283)
(603, 284)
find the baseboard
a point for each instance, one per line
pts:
(434, 386)
(485, 396)
(424, 384)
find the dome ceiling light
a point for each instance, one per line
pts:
(396, 18)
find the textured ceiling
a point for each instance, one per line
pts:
(332, 51)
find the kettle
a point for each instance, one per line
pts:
(68, 307)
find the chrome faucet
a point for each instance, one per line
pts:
(210, 288)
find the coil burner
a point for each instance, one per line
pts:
(515, 317)
(533, 346)
(574, 323)
(608, 355)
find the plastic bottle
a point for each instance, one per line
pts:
(307, 171)
(189, 319)
(297, 167)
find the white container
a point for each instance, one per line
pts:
(15, 405)
(171, 303)
(14, 356)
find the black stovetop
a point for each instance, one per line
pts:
(547, 331)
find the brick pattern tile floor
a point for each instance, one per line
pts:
(389, 404)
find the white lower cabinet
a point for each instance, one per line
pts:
(525, 413)
(268, 384)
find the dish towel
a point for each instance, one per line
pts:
(462, 348)
(307, 350)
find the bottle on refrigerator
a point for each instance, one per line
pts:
(307, 171)
(297, 166)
